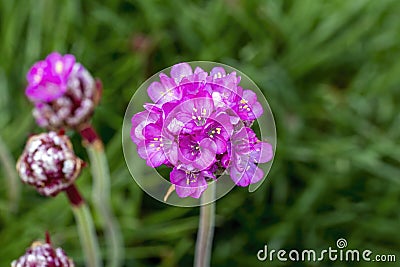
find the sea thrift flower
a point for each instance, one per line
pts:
(199, 125)
(63, 92)
(48, 163)
(43, 255)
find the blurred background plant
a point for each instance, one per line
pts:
(329, 69)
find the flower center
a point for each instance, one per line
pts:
(244, 105)
(199, 115)
(212, 132)
(191, 177)
(157, 143)
(195, 149)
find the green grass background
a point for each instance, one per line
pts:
(329, 69)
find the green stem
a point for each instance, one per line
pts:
(87, 235)
(205, 233)
(101, 198)
(10, 175)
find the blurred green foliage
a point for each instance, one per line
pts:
(329, 69)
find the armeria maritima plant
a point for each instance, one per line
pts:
(64, 95)
(199, 125)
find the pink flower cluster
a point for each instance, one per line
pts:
(199, 125)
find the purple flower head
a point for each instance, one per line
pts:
(63, 92)
(198, 125)
(43, 255)
(49, 163)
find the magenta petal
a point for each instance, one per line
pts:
(252, 174)
(152, 131)
(240, 142)
(221, 145)
(198, 70)
(156, 91)
(238, 177)
(167, 82)
(142, 151)
(175, 126)
(45, 93)
(266, 152)
(171, 152)
(249, 96)
(208, 150)
(180, 71)
(69, 62)
(139, 121)
(258, 176)
(53, 57)
(156, 158)
(36, 73)
(257, 109)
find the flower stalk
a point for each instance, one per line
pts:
(87, 233)
(206, 228)
(49, 164)
(101, 193)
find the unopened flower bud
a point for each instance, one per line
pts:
(43, 255)
(49, 163)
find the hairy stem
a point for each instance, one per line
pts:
(101, 194)
(205, 233)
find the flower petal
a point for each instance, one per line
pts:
(156, 91)
(181, 70)
(265, 152)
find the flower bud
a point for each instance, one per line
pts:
(49, 163)
(63, 92)
(43, 255)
